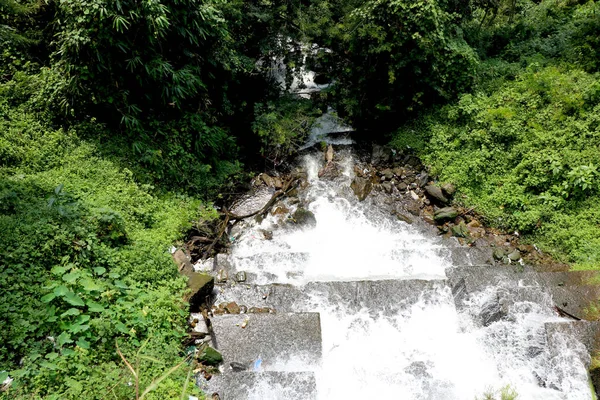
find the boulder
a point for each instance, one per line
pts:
(268, 180)
(460, 230)
(330, 171)
(304, 217)
(201, 287)
(435, 193)
(380, 154)
(388, 187)
(184, 264)
(387, 174)
(209, 356)
(514, 255)
(448, 189)
(402, 186)
(445, 214)
(361, 187)
(422, 179)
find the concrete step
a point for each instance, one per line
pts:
(517, 275)
(586, 332)
(262, 385)
(268, 339)
(387, 296)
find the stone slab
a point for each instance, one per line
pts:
(383, 295)
(271, 338)
(262, 385)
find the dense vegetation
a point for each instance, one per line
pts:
(120, 121)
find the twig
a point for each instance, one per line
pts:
(135, 375)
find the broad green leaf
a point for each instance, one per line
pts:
(48, 365)
(61, 290)
(82, 319)
(3, 376)
(63, 338)
(121, 285)
(48, 298)
(94, 307)
(99, 270)
(58, 270)
(74, 300)
(113, 275)
(79, 328)
(90, 286)
(51, 356)
(68, 352)
(121, 327)
(71, 277)
(84, 344)
(71, 311)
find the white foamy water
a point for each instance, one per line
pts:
(423, 350)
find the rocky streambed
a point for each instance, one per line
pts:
(353, 276)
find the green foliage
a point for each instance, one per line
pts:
(283, 126)
(85, 260)
(395, 56)
(526, 156)
(505, 393)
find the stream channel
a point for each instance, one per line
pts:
(388, 324)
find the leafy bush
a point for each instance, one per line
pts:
(85, 256)
(526, 156)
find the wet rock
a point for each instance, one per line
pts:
(413, 195)
(232, 308)
(435, 193)
(418, 369)
(329, 154)
(445, 214)
(398, 171)
(422, 179)
(280, 210)
(268, 235)
(388, 187)
(210, 356)
(387, 174)
(361, 187)
(404, 218)
(330, 171)
(222, 276)
(240, 276)
(413, 208)
(277, 182)
(201, 287)
(304, 217)
(402, 186)
(448, 189)
(238, 367)
(492, 311)
(268, 180)
(380, 154)
(460, 230)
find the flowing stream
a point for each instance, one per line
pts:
(419, 347)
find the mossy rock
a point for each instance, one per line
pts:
(209, 356)
(304, 217)
(201, 286)
(445, 214)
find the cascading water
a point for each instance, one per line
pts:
(416, 346)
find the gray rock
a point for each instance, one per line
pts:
(422, 179)
(445, 214)
(402, 186)
(380, 154)
(448, 189)
(514, 255)
(240, 276)
(388, 187)
(387, 174)
(361, 187)
(435, 193)
(304, 217)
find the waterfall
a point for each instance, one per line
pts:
(410, 341)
